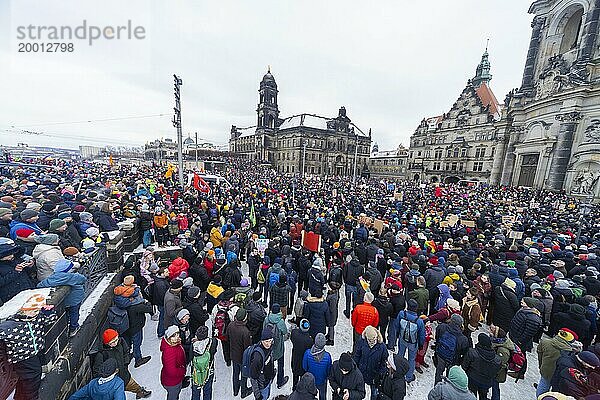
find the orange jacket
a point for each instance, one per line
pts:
(364, 315)
(161, 220)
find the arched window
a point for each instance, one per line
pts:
(570, 31)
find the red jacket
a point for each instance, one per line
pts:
(173, 364)
(364, 315)
(178, 266)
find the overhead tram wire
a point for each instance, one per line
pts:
(89, 121)
(69, 136)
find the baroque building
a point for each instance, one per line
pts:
(553, 118)
(461, 143)
(388, 163)
(303, 143)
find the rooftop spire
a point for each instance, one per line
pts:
(482, 73)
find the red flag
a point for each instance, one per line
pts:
(200, 184)
(311, 241)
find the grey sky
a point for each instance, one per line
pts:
(391, 63)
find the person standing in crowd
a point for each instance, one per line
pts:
(109, 386)
(410, 331)
(332, 299)
(262, 368)
(481, 365)
(306, 389)
(202, 356)
(364, 315)
(172, 302)
(173, 363)
(276, 323)
(453, 387)
(317, 361)
(506, 304)
(353, 270)
(317, 311)
(393, 384)
(370, 356)
(504, 348)
(346, 380)
(301, 342)
(451, 345)
(526, 324)
(239, 339)
(549, 350)
(115, 347)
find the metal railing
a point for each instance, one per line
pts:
(94, 269)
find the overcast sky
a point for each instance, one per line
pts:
(390, 63)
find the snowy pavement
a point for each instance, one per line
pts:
(148, 375)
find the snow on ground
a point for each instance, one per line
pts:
(148, 375)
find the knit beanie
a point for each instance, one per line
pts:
(171, 331)
(346, 362)
(176, 284)
(369, 297)
(412, 305)
(456, 320)
(108, 368)
(202, 332)
(182, 313)
(275, 309)
(4, 211)
(320, 341)
(241, 314)
(483, 340)
(371, 335)
(109, 335)
(48, 238)
(589, 358)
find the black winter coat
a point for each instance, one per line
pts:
(524, 327)
(481, 365)
(256, 317)
(159, 288)
(198, 315)
(393, 386)
(12, 282)
(301, 341)
(316, 281)
(576, 322)
(352, 271)
(371, 361)
(137, 317)
(353, 381)
(145, 221)
(384, 308)
(121, 355)
(505, 307)
(239, 339)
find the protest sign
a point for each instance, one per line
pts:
(468, 223)
(261, 246)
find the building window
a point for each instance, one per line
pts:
(437, 154)
(478, 166)
(454, 165)
(419, 154)
(480, 152)
(571, 32)
(461, 166)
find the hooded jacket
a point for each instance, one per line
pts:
(121, 355)
(503, 348)
(319, 365)
(393, 386)
(239, 339)
(25, 337)
(505, 306)
(101, 389)
(301, 341)
(173, 364)
(481, 365)
(72, 279)
(548, 353)
(524, 326)
(12, 282)
(46, 256)
(305, 389)
(371, 360)
(353, 381)
(450, 390)
(316, 310)
(280, 335)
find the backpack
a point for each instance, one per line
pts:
(408, 330)
(273, 278)
(516, 362)
(201, 367)
(335, 278)
(247, 358)
(446, 347)
(241, 299)
(221, 321)
(117, 319)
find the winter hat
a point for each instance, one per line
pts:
(509, 283)
(304, 325)
(318, 263)
(589, 358)
(529, 301)
(453, 304)
(109, 335)
(568, 335)
(70, 251)
(483, 340)
(456, 319)
(202, 332)
(171, 331)
(558, 275)
(28, 214)
(92, 231)
(85, 216)
(48, 238)
(193, 292)
(320, 341)
(241, 314)
(128, 280)
(266, 334)
(275, 309)
(346, 362)
(244, 282)
(4, 211)
(561, 284)
(188, 282)
(48, 206)
(34, 206)
(412, 305)
(56, 224)
(182, 313)
(8, 247)
(108, 368)
(458, 377)
(64, 214)
(369, 297)
(176, 284)
(63, 265)
(371, 335)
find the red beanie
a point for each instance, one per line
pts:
(109, 335)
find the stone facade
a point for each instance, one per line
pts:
(305, 142)
(460, 144)
(553, 119)
(388, 164)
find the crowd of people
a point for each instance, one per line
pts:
(464, 281)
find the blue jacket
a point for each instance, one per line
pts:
(371, 361)
(15, 225)
(105, 222)
(319, 369)
(395, 327)
(316, 311)
(111, 390)
(73, 279)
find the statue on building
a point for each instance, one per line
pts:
(585, 182)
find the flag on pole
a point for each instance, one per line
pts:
(252, 215)
(110, 160)
(200, 184)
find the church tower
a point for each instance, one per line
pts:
(482, 73)
(267, 111)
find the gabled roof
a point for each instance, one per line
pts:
(312, 121)
(488, 98)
